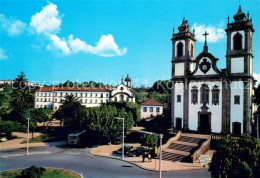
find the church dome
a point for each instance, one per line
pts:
(239, 16)
(184, 27)
(127, 79)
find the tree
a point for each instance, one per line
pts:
(20, 82)
(236, 158)
(8, 127)
(71, 112)
(33, 172)
(68, 83)
(22, 99)
(150, 141)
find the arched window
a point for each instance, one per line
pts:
(237, 41)
(194, 95)
(191, 50)
(179, 49)
(121, 97)
(204, 97)
(215, 95)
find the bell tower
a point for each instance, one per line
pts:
(239, 45)
(183, 49)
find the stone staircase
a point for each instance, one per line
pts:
(182, 146)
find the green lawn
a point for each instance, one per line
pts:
(49, 173)
(42, 138)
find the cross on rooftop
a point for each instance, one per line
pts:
(205, 34)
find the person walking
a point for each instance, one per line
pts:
(143, 155)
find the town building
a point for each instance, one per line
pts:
(208, 99)
(52, 97)
(11, 82)
(151, 108)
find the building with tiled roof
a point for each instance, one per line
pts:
(51, 97)
(150, 108)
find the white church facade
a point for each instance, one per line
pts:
(205, 98)
(52, 97)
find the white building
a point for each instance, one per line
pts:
(150, 108)
(205, 98)
(51, 97)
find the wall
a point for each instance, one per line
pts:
(148, 114)
(179, 69)
(237, 65)
(211, 70)
(236, 111)
(178, 106)
(216, 110)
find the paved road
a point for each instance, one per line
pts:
(81, 161)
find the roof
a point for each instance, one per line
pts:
(50, 89)
(152, 102)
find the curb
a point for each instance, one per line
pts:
(141, 166)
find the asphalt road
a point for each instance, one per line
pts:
(81, 161)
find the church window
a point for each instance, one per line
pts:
(237, 41)
(178, 98)
(204, 94)
(121, 97)
(215, 95)
(236, 99)
(151, 109)
(191, 50)
(194, 95)
(122, 88)
(145, 109)
(179, 49)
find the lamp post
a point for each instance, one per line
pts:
(27, 152)
(161, 137)
(123, 134)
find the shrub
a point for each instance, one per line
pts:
(32, 172)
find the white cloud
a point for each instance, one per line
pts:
(215, 33)
(2, 54)
(12, 26)
(47, 21)
(106, 46)
(59, 43)
(257, 77)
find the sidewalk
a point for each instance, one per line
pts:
(16, 143)
(107, 150)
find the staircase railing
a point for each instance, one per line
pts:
(205, 146)
(168, 143)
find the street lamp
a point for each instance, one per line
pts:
(27, 153)
(123, 133)
(161, 137)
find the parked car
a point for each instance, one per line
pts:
(138, 151)
(127, 148)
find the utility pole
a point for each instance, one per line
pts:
(27, 152)
(123, 134)
(160, 158)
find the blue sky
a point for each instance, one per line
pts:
(61, 40)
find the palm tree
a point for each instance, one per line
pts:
(22, 99)
(71, 101)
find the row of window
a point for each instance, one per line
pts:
(75, 94)
(43, 106)
(204, 95)
(81, 100)
(151, 109)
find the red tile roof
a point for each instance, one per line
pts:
(152, 102)
(50, 89)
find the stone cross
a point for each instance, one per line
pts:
(205, 34)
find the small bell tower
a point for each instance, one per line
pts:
(183, 50)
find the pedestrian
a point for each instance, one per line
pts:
(149, 158)
(143, 155)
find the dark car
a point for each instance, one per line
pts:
(127, 148)
(138, 151)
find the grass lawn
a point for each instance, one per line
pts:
(49, 173)
(42, 138)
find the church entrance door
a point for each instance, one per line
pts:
(236, 128)
(178, 123)
(205, 123)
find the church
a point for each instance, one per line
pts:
(207, 99)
